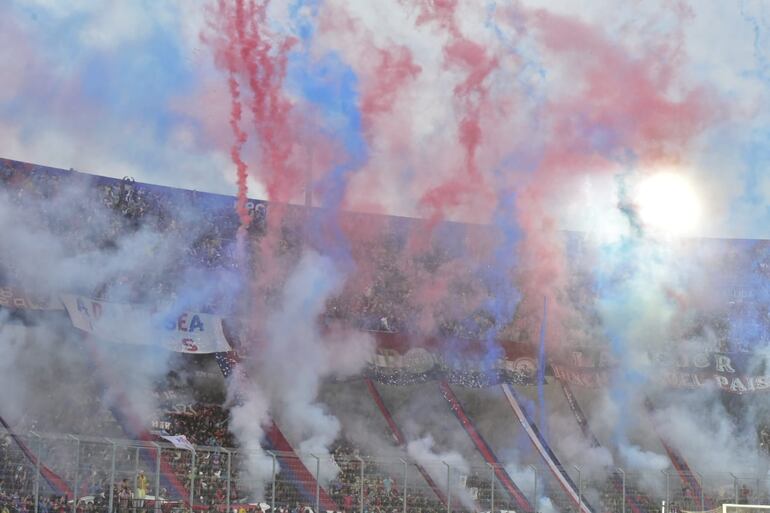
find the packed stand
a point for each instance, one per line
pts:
(382, 492)
(15, 479)
(384, 297)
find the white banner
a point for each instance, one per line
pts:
(186, 332)
(180, 442)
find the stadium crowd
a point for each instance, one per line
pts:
(388, 299)
(386, 296)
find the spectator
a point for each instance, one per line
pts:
(347, 503)
(124, 497)
(142, 484)
(388, 484)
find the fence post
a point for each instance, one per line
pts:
(406, 470)
(110, 501)
(534, 488)
(77, 474)
(361, 502)
(158, 450)
(735, 488)
(136, 471)
(702, 486)
(317, 483)
(272, 499)
(37, 470)
(227, 484)
(192, 481)
(136, 467)
(580, 488)
(491, 488)
(448, 487)
(623, 483)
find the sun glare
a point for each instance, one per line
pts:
(667, 203)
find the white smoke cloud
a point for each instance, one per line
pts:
(438, 465)
(574, 447)
(249, 408)
(45, 261)
(640, 317)
(647, 465)
(296, 355)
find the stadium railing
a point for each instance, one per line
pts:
(47, 473)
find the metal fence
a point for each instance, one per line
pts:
(75, 474)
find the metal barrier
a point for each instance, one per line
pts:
(45, 473)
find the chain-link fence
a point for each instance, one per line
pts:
(75, 474)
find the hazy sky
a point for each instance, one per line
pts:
(566, 96)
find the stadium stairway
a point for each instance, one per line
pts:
(686, 475)
(56, 483)
(300, 476)
(399, 437)
(615, 480)
(485, 450)
(545, 452)
(494, 420)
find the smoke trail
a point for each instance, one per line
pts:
(262, 59)
(230, 53)
(248, 51)
(292, 327)
(471, 95)
(292, 330)
(235, 119)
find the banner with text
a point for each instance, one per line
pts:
(733, 372)
(182, 332)
(17, 299)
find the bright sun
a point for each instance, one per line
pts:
(668, 203)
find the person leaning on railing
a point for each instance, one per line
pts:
(142, 484)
